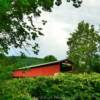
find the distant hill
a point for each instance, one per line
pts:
(20, 62)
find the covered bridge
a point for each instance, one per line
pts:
(45, 69)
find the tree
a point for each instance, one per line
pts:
(14, 30)
(22, 55)
(50, 58)
(83, 45)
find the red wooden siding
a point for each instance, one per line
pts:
(45, 70)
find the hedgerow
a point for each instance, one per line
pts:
(60, 87)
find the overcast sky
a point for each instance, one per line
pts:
(61, 22)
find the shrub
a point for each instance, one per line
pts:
(60, 87)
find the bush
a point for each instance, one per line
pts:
(60, 87)
(50, 58)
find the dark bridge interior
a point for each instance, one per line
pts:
(66, 66)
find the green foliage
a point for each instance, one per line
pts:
(23, 55)
(60, 87)
(14, 29)
(83, 45)
(8, 64)
(50, 58)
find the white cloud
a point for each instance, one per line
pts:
(61, 22)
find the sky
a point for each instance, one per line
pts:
(61, 22)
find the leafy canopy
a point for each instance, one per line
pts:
(50, 58)
(15, 30)
(83, 45)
